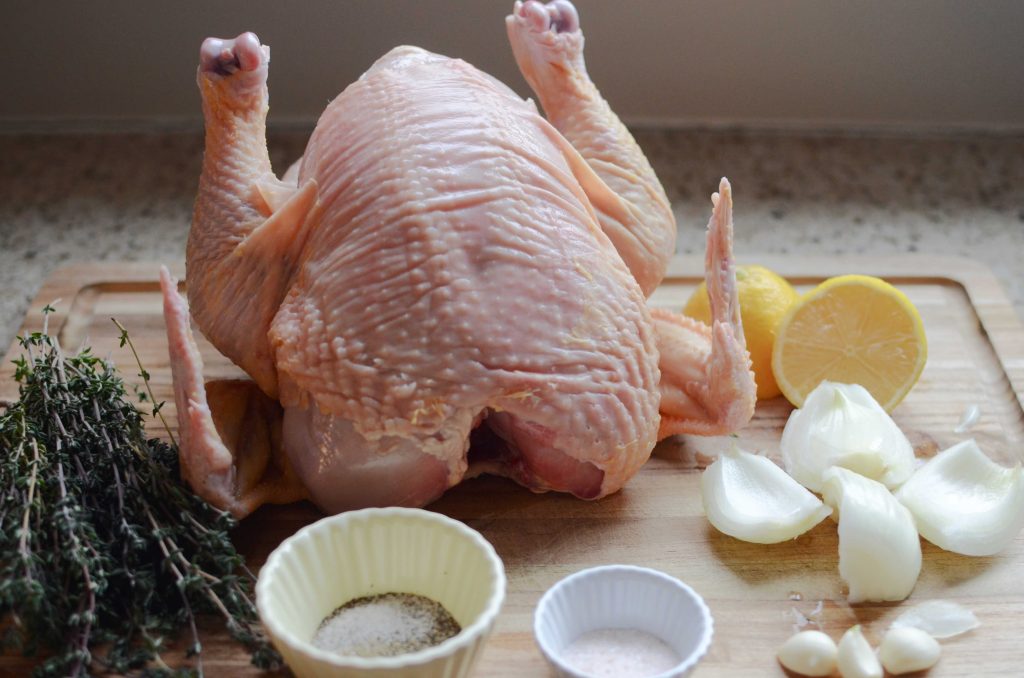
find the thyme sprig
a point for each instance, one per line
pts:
(126, 340)
(104, 553)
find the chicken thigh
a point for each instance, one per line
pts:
(443, 265)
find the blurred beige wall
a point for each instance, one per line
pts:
(921, 64)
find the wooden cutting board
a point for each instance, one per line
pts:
(756, 593)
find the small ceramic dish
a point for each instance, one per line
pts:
(623, 597)
(373, 551)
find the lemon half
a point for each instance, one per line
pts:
(853, 329)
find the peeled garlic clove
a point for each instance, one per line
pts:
(879, 550)
(855, 657)
(907, 649)
(748, 497)
(809, 653)
(966, 503)
(842, 425)
(938, 618)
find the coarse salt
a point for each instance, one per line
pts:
(620, 653)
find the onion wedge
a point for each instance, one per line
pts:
(842, 425)
(966, 503)
(748, 497)
(879, 550)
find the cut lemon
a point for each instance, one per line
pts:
(853, 329)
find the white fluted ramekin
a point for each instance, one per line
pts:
(372, 551)
(623, 597)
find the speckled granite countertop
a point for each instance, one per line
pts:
(129, 197)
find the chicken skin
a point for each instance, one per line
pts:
(442, 266)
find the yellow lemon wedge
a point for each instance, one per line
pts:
(764, 296)
(853, 329)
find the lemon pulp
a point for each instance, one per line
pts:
(854, 329)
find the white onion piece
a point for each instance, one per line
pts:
(939, 618)
(966, 503)
(879, 550)
(842, 425)
(748, 497)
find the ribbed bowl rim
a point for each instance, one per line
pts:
(686, 663)
(466, 637)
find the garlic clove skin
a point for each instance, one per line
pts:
(748, 497)
(938, 618)
(970, 417)
(966, 503)
(809, 653)
(905, 650)
(879, 550)
(843, 425)
(854, 656)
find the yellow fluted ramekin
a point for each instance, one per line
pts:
(373, 551)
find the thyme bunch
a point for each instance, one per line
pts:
(104, 553)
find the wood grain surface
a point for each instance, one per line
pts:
(756, 593)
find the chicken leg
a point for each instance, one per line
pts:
(705, 378)
(248, 227)
(631, 204)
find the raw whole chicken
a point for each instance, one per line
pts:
(443, 266)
